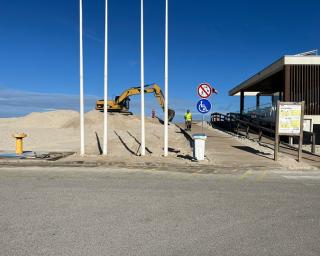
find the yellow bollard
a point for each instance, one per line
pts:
(19, 142)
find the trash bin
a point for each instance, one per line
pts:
(199, 146)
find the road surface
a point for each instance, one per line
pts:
(86, 211)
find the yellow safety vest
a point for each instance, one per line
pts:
(188, 117)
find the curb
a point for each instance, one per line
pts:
(179, 168)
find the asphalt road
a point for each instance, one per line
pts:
(128, 212)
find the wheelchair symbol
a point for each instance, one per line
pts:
(203, 106)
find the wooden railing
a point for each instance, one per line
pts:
(232, 122)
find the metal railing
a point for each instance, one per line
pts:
(264, 114)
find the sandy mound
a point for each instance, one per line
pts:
(51, 119)
(59, 131)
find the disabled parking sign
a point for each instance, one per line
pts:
(203, 106)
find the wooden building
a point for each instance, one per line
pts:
(292, 79)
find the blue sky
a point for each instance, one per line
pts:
(220, 42)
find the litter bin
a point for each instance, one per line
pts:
(199, 146)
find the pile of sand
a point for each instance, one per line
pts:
(52, 119)
(60, 131)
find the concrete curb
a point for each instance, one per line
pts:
(180, 168)
(84, 163)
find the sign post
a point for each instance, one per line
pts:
(289, 122)
(204, 91)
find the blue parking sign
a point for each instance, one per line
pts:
(203, 106)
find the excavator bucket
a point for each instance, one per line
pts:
(171, 114)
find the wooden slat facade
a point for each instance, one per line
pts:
(302, 83)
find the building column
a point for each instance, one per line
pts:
(286, 89)
(258, 107)
(258, 101)
(241, 103)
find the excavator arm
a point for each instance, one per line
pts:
(159, 95)
(120, 103)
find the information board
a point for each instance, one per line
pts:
(289, 119)
(289, 122)
(307, 125)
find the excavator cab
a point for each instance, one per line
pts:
(126, 103)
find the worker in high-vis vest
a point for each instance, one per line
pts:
(188, 120)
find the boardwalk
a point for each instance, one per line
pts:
(225, 150)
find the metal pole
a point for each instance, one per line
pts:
(166, 82)
(291, 141)
(301, 133)
(105, 125)
(82, 151)
(202, 122)
(276, 134)
(313, 147)
(143, 143)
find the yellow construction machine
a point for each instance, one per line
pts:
(121, 103)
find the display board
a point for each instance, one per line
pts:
(289, 122)
(290, 118)
(307, 125)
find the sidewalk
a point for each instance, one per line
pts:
(224, 154)
(225, 150)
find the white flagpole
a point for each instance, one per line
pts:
(143, 143)
(166, 82)
(105, 115)
(82, 151)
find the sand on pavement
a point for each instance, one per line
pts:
(59, 131)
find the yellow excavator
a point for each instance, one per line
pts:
(121, 103)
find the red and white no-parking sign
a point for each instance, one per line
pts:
(204, 90)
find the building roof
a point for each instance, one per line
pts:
(272, 69)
